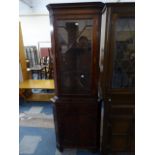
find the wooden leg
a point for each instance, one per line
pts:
(60, 148)
(45, 73)
(40, 74)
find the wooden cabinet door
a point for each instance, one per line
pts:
(121, 67)
(76, 54)
(74, 49)
(119, 79)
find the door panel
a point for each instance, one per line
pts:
(74, 46)
(123, 58)
(119, 79)
(119, 143)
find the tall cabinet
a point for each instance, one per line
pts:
(75, 37)
(117, 66)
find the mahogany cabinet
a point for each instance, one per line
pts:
(117, 67)
(75, 38)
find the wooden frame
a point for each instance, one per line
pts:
(74, 130)
(118, 103)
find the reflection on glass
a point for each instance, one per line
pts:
(124, 54)
(74, 42)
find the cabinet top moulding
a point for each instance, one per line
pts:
(70, 7)
(120, 4)
(75, 5)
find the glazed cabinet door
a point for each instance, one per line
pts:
(123, 56)
(119, 79)
(75, 55)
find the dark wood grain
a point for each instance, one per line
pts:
(77, 115)
(119, 103)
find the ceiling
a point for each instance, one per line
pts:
(38, 7)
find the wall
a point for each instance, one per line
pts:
(35, 29)
(102, 40)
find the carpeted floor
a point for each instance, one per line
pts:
(36, 131)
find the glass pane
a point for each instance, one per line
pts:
(124, 54)
(74, 47)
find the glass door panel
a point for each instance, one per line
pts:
(74, 49)
(123, 74)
